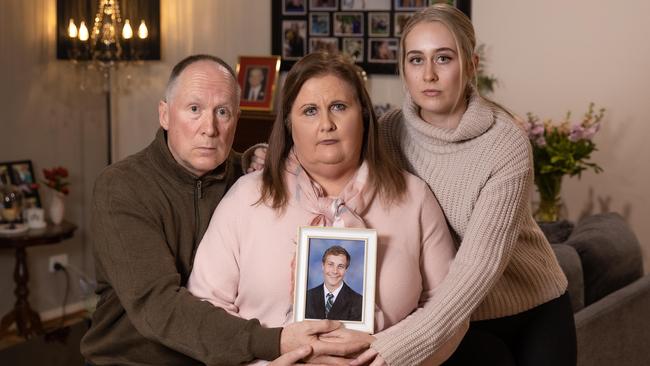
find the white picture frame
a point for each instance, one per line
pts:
(359, 276)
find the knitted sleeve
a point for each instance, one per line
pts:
(484, 252)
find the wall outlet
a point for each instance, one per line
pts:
(59, 258)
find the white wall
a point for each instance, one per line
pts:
(47, 119)
(554, 56)
(549, 57)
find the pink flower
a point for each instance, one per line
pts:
(591, 131)
(577, 133)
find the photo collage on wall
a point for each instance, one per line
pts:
(367, 31)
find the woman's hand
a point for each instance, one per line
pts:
(368, 356)
(293, 357)
(257, 160)
(348, 336)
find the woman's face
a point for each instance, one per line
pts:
(327, 126)
(432, 71)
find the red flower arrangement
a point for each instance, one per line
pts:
(55, 179)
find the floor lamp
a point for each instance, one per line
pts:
(110, 42)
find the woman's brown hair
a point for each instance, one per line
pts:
(383, 172)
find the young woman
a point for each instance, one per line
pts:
(477, 161)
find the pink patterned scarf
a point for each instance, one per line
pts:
(342, 211)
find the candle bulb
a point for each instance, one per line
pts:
(142, 30)
(72, 29)
(83, 31)
(127, 31)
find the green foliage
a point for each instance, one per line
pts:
(485, 83)
(564, 149)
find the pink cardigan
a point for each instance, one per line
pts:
(243, 263)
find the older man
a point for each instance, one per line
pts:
(149, 214)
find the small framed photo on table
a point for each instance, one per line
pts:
(335, 276)
(21, 175)
(257, 77)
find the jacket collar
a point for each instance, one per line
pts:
(163, 159)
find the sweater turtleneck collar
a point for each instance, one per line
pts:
(477, 119)
(164, 159)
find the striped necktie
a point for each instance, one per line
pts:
(329, 303)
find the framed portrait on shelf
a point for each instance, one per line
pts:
(21, 175)
(257, 77)
(335, 276)
(303, 26)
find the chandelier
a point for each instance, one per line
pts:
(111, 39)
(107, 40)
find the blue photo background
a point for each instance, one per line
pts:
(354, 274)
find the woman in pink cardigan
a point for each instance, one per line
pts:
(323, 167)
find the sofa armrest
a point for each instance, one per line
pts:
(615, 330)
(569, 261)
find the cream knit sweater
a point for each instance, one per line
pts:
(481, 173)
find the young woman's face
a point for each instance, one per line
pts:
(432, 71)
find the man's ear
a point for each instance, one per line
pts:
(163, 114)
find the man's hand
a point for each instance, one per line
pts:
(292, 358)
(306, 332)
(257, 160)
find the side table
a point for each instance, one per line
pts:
(28, 322)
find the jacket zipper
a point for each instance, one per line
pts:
(198, 194)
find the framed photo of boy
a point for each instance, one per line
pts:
(257, 77)
(21, 175)
(335, 276)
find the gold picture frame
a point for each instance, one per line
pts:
(258, 77)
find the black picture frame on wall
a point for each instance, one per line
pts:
(301, 26)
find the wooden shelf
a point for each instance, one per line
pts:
(253, 127)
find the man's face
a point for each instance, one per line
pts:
(334, 269)
(200, 117)
(255, 77)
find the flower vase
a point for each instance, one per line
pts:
(57, 208)
(549, 187)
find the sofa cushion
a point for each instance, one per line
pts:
(570, 262)
(556, 232)
(610, 254)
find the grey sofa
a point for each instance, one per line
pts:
(609, 293)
